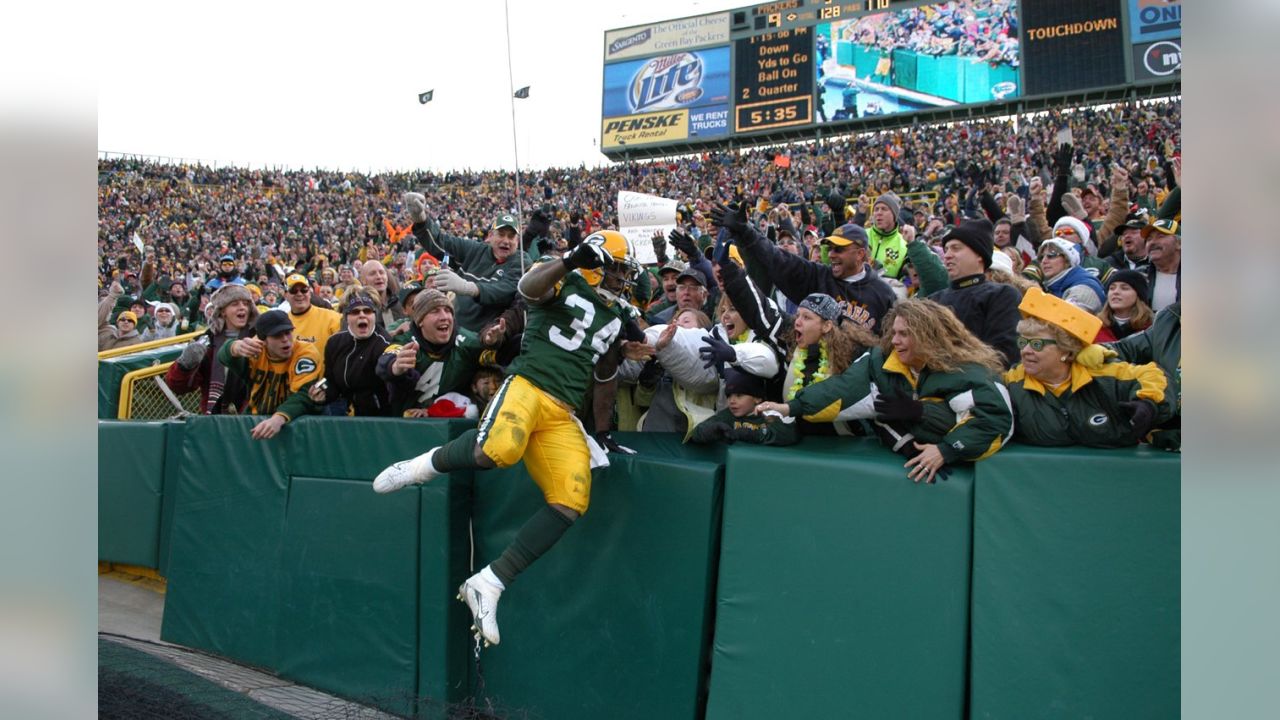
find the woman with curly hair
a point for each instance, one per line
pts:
(932, 388)
(825, 343)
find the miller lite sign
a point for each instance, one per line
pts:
(668, 82)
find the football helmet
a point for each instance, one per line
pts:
(616, 281)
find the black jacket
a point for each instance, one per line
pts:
(866, 300)
(989, 310)
(350, 368)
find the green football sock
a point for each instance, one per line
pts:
(457, 454)
(537, 536)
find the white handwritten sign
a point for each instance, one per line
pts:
(640, 216)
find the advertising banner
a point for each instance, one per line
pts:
(1160, 60)
(1154, 20)
(666, 37)
(640, 216)
(666, 98)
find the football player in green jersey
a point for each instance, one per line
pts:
(577, 313)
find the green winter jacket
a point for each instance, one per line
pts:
(495, 281)
(973, 418)
(433, 375)
(1087, 412)
(767, 430)
(1162, 344)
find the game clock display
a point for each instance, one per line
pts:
(774, 113)
(773, 80)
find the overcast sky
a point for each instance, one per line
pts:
(312, 85)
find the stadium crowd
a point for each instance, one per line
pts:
(985, 29)
(947, 288)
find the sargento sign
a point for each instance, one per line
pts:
(684, 34)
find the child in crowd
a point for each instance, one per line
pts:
(737, 422)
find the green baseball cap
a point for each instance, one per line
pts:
(506, 220)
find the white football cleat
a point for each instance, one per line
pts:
(414, 471)
(481, 596)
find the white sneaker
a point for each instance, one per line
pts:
(481, 596)
(414, 471)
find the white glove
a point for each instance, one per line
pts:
(415, 204)
(448, 281)
(1017, 210)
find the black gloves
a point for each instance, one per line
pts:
(898, 409)
(1062, 160)
(684, 243)
(608, 443)
(1142, 413)
(660, 249)
(650, 373)
(590, 255)
(835, 201)
(710, 432)
(539, 226)
(715, 353)
(730, 218)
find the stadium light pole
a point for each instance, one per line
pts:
(515, 150)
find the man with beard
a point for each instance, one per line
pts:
(277, 369)
(482, 275)
(351, 360)
(229, 313)
(851, 280)
(440, 359)
(228, 273)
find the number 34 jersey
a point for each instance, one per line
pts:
(566, 335)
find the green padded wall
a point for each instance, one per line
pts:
(347, 617)
(175, 434)
(112, 370)
(843, 588)
(615, 620)
(1076, 599)
(359, 448)
(444, 654)
(228, 529)
(131, 460)
(314, 575)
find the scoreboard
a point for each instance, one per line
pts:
(798, 64)
(773, 84)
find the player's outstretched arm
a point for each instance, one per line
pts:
(541, 280)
